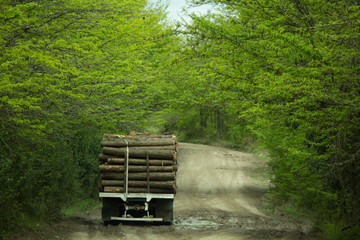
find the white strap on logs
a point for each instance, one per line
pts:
(127, 168)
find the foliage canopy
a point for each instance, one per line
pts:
(70, 71)
(281, 73)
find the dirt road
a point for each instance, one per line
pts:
(219, 197)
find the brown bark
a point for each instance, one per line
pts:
(160, 185)
(141, 152)
(111, 168)
(137, 136)
(118, 189)
(104, 157)
(112, 175)
(137, 142)
(152, 162)
(112, 183)
(153, 176)
(160, 176)
(150, 148)
(117, 161)
(114, 189)
(152, 169)
(141, 184)
(121, 168)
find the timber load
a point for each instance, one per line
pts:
(138, 163)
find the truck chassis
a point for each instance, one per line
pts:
(146, 207)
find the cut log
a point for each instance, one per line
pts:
(121, 168)
(112, 183)
(137, 142)
(152, 169)
(118, 189)
(141, 184)
(114, 189)
(111, 168)
(152, 162)
(116, 161)
(160, 185)
(162, 176)
(153, 176)
(112, 175)
(150, 148)
(136, 136)
(141, 153)
(104, 157)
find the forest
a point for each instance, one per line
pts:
(282, 76)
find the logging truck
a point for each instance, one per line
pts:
(138, 174)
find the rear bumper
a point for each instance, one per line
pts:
(156, 207)
(144, 219)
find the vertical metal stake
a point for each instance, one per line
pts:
(127, 170)
(148, 172)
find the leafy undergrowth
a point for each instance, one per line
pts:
(26, 223)
(88, 204)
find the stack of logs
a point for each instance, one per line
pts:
(151, 164)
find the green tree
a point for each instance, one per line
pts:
(70, 71)
(287, 71)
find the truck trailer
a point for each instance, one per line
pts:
(138, 177)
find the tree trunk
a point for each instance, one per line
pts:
(152, 169)
(219, 123)
(152, 162)
(137, 142)
(136, 136)
(111, 168)
(114, 189)
(150, 148)
(153, 176)
(141, 184)
(203, 120)
(121, 168)
(141, 152)
(104, 157)
(112, 175)
(152, 184)
(112, 183)
(118, 189)
(160, 176)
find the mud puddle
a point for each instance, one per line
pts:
(196, 224)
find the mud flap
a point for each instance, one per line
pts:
(164, 210)
(110, 209)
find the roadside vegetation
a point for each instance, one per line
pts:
(280, 75)
(87, 204)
